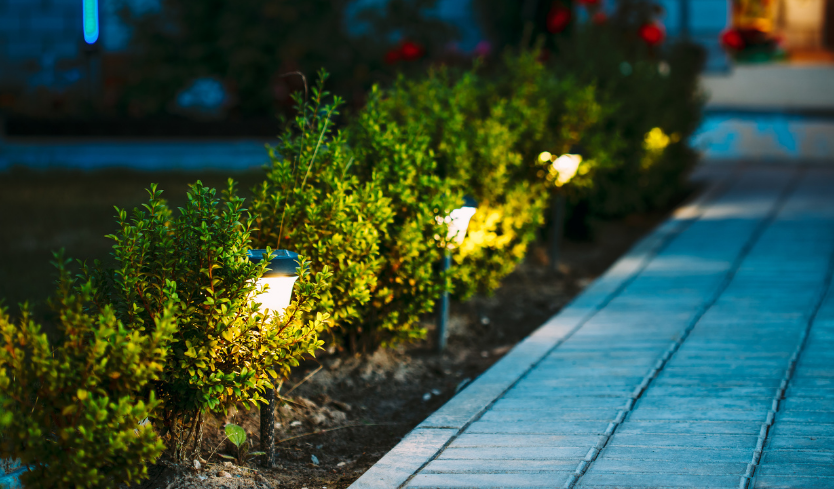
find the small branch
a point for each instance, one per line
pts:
(303, 79)
(215, 448)
(318, 144)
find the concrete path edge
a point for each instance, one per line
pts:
(429, 438)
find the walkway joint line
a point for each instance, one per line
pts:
(757, 233)
(767, 426)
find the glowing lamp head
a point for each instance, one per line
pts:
(90, 21)
(280, 276)
(458, 221)
(565, 168)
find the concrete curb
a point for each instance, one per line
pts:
(430, 437)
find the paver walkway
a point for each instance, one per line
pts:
(703, 358)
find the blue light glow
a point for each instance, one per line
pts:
(90, 8)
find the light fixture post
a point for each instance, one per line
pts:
(562, 170)
(557, 214)
(458, 222)
(267, 415)
(279, 278)
(443, 312)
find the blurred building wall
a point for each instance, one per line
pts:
(42, 42)
(38, 40)
(803, 23)
(702, 21)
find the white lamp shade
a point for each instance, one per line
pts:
(565, 167)
(278, 279)
(458, 221)
(278, 293)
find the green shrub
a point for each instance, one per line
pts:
(397, 156)
(646, 89)
(68, 408)
(486, 132)
(311, 202)
(225, 350)
(538, 110)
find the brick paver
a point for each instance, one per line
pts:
(704, 358)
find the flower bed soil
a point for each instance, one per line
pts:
(352, 410)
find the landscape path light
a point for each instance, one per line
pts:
(458, 223)
(563, 169)
(279, 279)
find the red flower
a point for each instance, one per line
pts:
(411, 51)
(484, 48)
(599, 18)
(392, 56)
(732, 39)
(407, 51)
(652, 34)
(558, 18)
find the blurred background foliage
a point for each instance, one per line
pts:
(256, 47)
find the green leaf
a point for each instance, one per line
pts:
(236, 434)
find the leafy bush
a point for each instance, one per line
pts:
(650, 90)
(225, 350)
(407, 159)
(486, 132)
(68, 408)
(396, 155)
(313, 203)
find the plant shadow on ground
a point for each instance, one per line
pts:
(351, 410)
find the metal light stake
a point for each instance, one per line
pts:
(443, 313)
(279, 278)
(563, 169)
(557, 213)
(458, 221)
